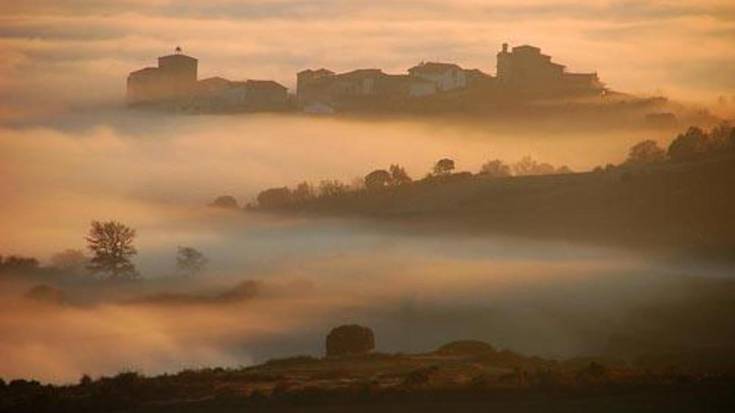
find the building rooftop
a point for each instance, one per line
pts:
(322, 71)
(264, 84)
(361, 73)
(144, 70)
(433, 67)
(527, 47)
(177, 57)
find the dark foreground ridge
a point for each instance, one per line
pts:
(460, 376)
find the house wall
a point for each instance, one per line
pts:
(418, 89)
(451, 79)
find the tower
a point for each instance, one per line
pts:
(504, 64)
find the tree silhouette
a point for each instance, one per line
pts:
(495, 169)
(225, 202)
(443, 167)
(69, 260)
(274, 197)
(331, 188)
(304, 192)
(689, 145)
(399, 176)
(190, 261)
(377, 179)
(111, 244)
(646, 152)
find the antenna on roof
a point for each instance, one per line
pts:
(178, 50)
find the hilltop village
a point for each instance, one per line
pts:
(523, 73)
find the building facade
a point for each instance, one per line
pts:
(174, 83)
(174, 78)
(527, 71)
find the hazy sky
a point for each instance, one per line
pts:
(53, 52)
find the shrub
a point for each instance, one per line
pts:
(689, 146)
(495, 169)
(349, 340)
(646, 152)
(225, 202)
(465, 348)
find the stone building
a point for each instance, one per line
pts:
(174, 83)
(526, 71)
(445, 76)
(174, 78)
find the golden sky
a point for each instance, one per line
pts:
(77, 51)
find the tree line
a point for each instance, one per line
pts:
(395, 176)
(694, 144)
(111, 251)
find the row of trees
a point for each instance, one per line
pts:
(112, 249)
(393, 177)
(694, 144)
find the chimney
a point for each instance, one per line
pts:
(505, 47)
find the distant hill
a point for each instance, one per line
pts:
(684, 206)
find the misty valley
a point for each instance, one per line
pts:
(414, 206)
(444, 257)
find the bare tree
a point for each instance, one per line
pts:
(190, 261)
(111, 244)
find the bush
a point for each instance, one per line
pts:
(465, 348)
(646, 152)
(377, 180)
(420, 377)
(46, 294)
(495, 169)
(350, 340)
(225, 202)
(274, 197)
(691, 145)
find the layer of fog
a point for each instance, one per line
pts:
(417, 290)
(142, 168)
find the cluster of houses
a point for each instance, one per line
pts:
(175, 83)
(522, 72)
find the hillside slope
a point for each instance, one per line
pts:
(685, 206)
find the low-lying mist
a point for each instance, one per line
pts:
(276, 285)
(146, 169)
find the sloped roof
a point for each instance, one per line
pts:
(214, 79)
(264, 84)
(434, 67)
(145, 70)
(527, 47)
(177, 56)
(360, 73)
(322, 71)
